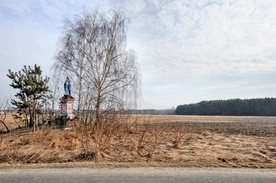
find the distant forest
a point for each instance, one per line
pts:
(153, 111)
(232, 107)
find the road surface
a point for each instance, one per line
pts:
(135, 175)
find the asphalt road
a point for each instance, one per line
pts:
(135, 175)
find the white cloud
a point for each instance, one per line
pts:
(207, 40)
(135, 6)
(216, 33)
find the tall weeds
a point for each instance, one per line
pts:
(97, 140)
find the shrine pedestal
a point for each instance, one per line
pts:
(66, 105)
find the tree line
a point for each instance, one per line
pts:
(233, 107)
(153, 111)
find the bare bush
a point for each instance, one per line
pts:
(99, 139)
(178, 139)
(83, 135)
(155, 141)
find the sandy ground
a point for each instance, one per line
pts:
(198, 141)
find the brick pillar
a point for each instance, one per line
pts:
(66, 105)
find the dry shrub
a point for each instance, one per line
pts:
(117, 137)
(155, 141)
(83, 135)
(109, 128)
(178, 139)
(97, 140)
(141, 141)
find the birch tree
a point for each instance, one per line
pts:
(93, 51)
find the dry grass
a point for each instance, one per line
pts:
(149, 141)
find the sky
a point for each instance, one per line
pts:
(188, 50)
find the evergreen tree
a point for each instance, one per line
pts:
(33, 92)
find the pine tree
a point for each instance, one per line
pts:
(33, 92)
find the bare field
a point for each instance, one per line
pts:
(244, 125)
(161, 140)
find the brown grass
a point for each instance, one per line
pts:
(149, 141)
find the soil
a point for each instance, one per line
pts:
(262, 126)
(231, 128)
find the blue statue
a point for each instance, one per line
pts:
(67, 86)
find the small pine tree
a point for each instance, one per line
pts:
(33, 92)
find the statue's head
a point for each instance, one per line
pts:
(67, 78)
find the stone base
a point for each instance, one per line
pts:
(66, 106)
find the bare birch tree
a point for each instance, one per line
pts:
(93, 51)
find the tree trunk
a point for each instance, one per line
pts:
(31, 124)
(80, 87)
(79, 98)
(98, 109)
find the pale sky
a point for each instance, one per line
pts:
(188, 50)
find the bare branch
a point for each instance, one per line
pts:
(93, 50)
